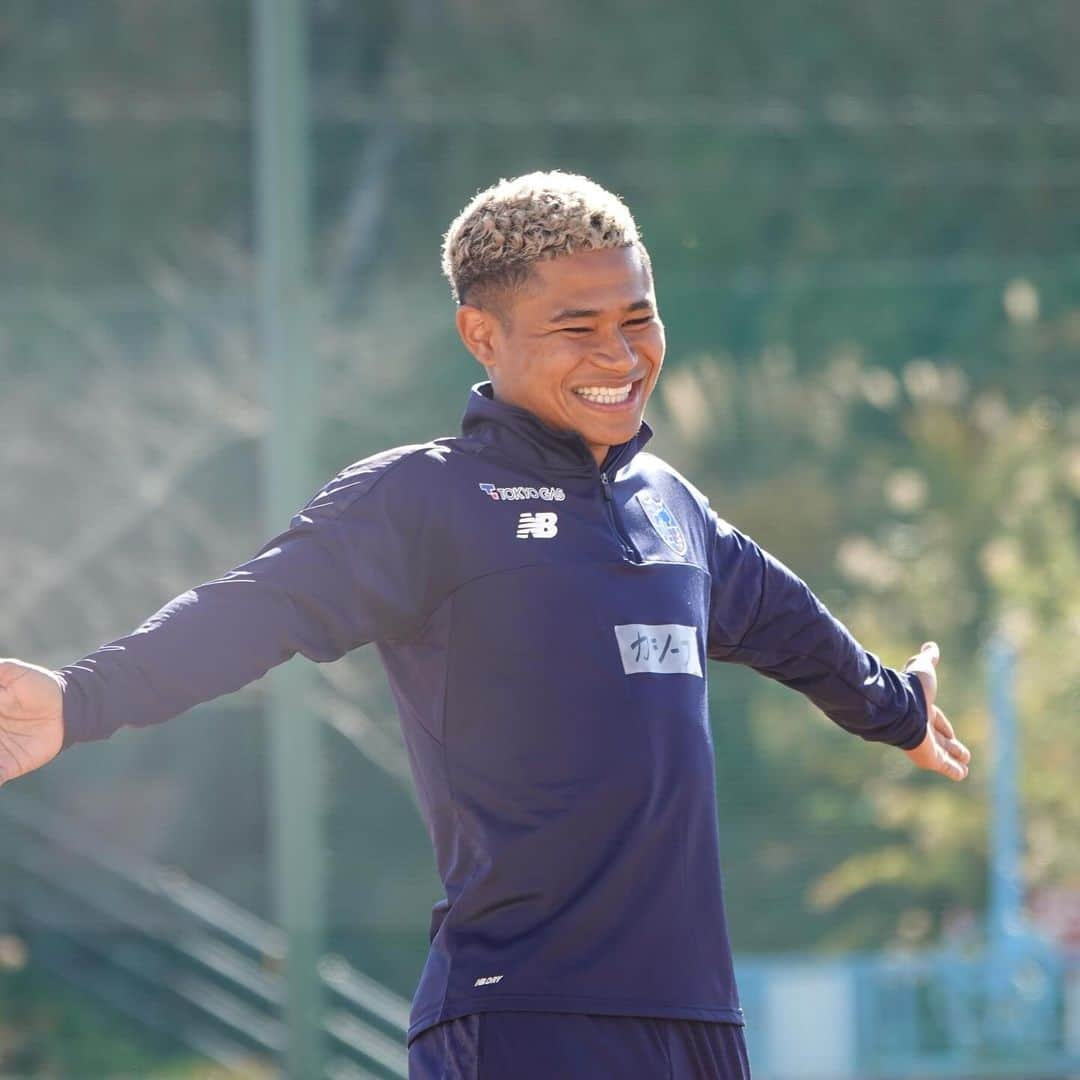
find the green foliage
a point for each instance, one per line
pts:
(955, 515)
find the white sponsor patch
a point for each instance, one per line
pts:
(487, 980)
(664, 650)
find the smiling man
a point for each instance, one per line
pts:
(544, 595)
(580, 346)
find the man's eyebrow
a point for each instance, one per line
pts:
(591, 313)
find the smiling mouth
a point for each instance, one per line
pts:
(610, 397)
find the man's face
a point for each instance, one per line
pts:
(580, 345)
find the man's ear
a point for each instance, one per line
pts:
(479, 330)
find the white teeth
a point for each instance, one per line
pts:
(604, 395)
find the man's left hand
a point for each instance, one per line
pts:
(940, 751)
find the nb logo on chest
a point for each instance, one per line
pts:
(542, 526)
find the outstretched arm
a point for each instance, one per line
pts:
(764, 616)
(212, 639)
(345, 572)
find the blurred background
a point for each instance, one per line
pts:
(864, 221)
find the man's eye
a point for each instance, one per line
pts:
(577, 329)
(644, 321)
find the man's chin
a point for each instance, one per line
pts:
(611, 434)
(604, 427)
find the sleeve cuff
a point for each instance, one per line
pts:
(77, 707)
(914, 729)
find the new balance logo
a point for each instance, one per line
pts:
(537, 526)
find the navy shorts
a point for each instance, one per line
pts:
(578, 1046)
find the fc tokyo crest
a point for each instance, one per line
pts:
(663, 521)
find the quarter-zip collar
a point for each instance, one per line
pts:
(525, 439)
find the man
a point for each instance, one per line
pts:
(544, 595)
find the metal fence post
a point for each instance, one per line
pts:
(1006, 888)
(284, 319)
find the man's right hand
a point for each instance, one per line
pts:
(31, 718)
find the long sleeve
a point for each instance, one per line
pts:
(341, 575)
(764, 616)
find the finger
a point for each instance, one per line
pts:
(941, 723)
(954, 748)
(958, 771)
(930, 649)
(959, 751)
(951, 767)
(949, 742)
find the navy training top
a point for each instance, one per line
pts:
(544, 624)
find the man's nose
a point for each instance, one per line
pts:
(617, 352)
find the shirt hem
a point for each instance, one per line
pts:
(451, 1010)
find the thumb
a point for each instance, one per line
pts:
(926, 658)
(9, 672)
(923, 665)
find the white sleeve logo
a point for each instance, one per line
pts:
(541, 526)
(662, 650)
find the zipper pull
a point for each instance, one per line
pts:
(605, 486)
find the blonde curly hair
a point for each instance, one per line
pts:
(492, 243)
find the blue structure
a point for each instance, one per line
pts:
(935, 1014)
